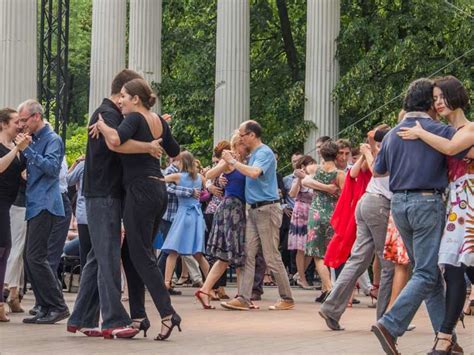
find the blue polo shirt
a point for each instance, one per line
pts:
(265, 187)
(44, 156)
(413, 164)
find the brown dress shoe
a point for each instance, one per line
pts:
(282, 305)
(236, 305)
(386, 339)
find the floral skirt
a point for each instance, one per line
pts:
(298, 234)
(227, 236)
(394, 249)
(320, 233)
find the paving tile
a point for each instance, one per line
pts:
(222, 331)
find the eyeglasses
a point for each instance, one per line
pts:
(245, 134)
(25, 119)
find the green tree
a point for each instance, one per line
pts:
(80, 27)
(386, 44)
(277, 66)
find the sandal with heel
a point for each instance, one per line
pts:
(470, 309)
(198, 294)
(143, 324)
(175, 322)
(448, 351)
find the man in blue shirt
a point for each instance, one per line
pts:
(418, 177)
(44, 207)
(264, 218)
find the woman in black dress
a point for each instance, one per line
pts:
(146, 197)
(12, 163)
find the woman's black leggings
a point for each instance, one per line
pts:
(5, 242)
(455, 294)
(145, 203)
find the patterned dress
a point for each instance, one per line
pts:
(457, 243)
(227, 236)
(320, 230)
(394, 249)
(298, 234)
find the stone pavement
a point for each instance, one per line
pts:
(230, 332)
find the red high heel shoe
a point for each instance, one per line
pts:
(198, 296)
(90, 332)
(120, 332)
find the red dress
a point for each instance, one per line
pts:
(343, 219)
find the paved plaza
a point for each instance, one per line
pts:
(227, 332)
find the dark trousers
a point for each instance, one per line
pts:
(100, 287)
(84, 243)
(288, 256)
(58, 236)
(42, 277)
(260, 267)
(145, 203)
(339, 269)
(164, 227)
(5, 242)
(4, 254)
(455, 294)
(222, 281)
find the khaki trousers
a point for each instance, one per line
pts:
(263, 231)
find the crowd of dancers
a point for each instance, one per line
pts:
(400, 204)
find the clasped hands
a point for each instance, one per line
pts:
(22, 141)
(229, 155)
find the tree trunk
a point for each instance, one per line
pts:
(288, 42)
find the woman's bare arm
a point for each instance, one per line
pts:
(463, 139)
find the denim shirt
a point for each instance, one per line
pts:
(44, 156)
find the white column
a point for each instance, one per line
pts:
(322, 69)
(232, 93)
(144, 52)
(107, 47)
(18, 64)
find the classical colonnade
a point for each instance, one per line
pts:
(18, 53)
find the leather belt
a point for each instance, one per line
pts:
(263, 203)
(421, 191)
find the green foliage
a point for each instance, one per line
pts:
(188, 61)
(80, 27)
(383, 46)
(76, 141)
(188, 72)
(386, 44)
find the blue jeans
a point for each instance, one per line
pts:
(420, 219)
(101, 278)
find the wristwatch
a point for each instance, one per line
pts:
(233, 162)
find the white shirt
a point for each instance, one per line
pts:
(380, 185)
(63, 177)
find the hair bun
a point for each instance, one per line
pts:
(152, 100)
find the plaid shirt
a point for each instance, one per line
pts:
(174, 191)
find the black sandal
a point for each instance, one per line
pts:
(448, 351)
(175, 322)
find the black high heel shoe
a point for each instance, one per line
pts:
(175, 322)
(144, 325)
(470, 309)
